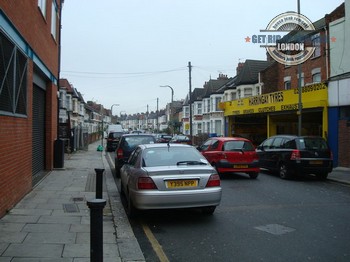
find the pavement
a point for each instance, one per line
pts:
(52, 222)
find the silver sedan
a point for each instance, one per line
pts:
(165, 176)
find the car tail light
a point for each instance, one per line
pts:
(214, 180)
(120, 153)
(295, 155)
(146, 183)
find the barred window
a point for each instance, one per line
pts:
(13, 78)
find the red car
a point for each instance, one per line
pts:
(231, 155)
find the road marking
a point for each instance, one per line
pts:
(155, 244)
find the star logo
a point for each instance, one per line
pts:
(247, 39)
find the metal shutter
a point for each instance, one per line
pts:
(38, 141)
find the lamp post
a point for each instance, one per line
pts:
(300, 103)
(112, 111)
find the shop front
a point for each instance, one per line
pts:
(262, 116)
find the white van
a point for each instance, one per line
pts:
(115, 128)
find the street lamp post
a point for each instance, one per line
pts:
(112, 110)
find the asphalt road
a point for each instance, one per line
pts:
(267, 219)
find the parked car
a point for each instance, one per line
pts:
(168, 176)
(163, 138)
(113, 140)
(127, 144)
(296, 155)
(231, 155)
(181, 139)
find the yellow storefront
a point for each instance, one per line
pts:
(265, 115)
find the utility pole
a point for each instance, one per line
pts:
(190, 97)
(300, 104)
(157, 115)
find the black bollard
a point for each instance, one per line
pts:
(99, 179)
(96, 229)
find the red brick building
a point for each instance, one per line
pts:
(29, 72)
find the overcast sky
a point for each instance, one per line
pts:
(121, 52)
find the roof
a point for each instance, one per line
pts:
(249, 73)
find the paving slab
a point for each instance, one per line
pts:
(34, 250)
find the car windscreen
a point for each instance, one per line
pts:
(171, 156)
(115, 134)
(238, 146)
(133, 141)
(313, 143)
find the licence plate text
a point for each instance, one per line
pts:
(181, 183)
(240, 166)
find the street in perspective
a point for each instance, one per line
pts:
(130, 131)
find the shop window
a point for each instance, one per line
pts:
(13, 79)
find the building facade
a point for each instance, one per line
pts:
(29, 73)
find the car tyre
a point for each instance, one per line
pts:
(253, 175)
(283, 171)
(131, 210)
(208, 210)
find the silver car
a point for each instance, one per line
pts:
(166, 176)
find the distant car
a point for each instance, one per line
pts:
(296, 155)
(163, 138)
(168, 176)
(181, 139)
(113, 140)
(231, 155)
(127, 144)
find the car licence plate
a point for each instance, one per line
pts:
(240, 166)
(316, 162)
(181, 183)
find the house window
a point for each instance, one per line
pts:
(13, 79)
(316, 75)
(248, 92)
(54, 19)
(199, 108)
(316, 42)
(233, 95)
(199, 128)
(42, 7)
(217, 102)
(287, 83)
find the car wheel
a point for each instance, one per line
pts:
(208, 210)
(253, 175)
(283, 172)
(131, 211)
(322, 176)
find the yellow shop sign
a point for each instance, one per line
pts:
(315, 95)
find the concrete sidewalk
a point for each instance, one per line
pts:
(52, 222)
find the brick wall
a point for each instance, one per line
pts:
(344, 143)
